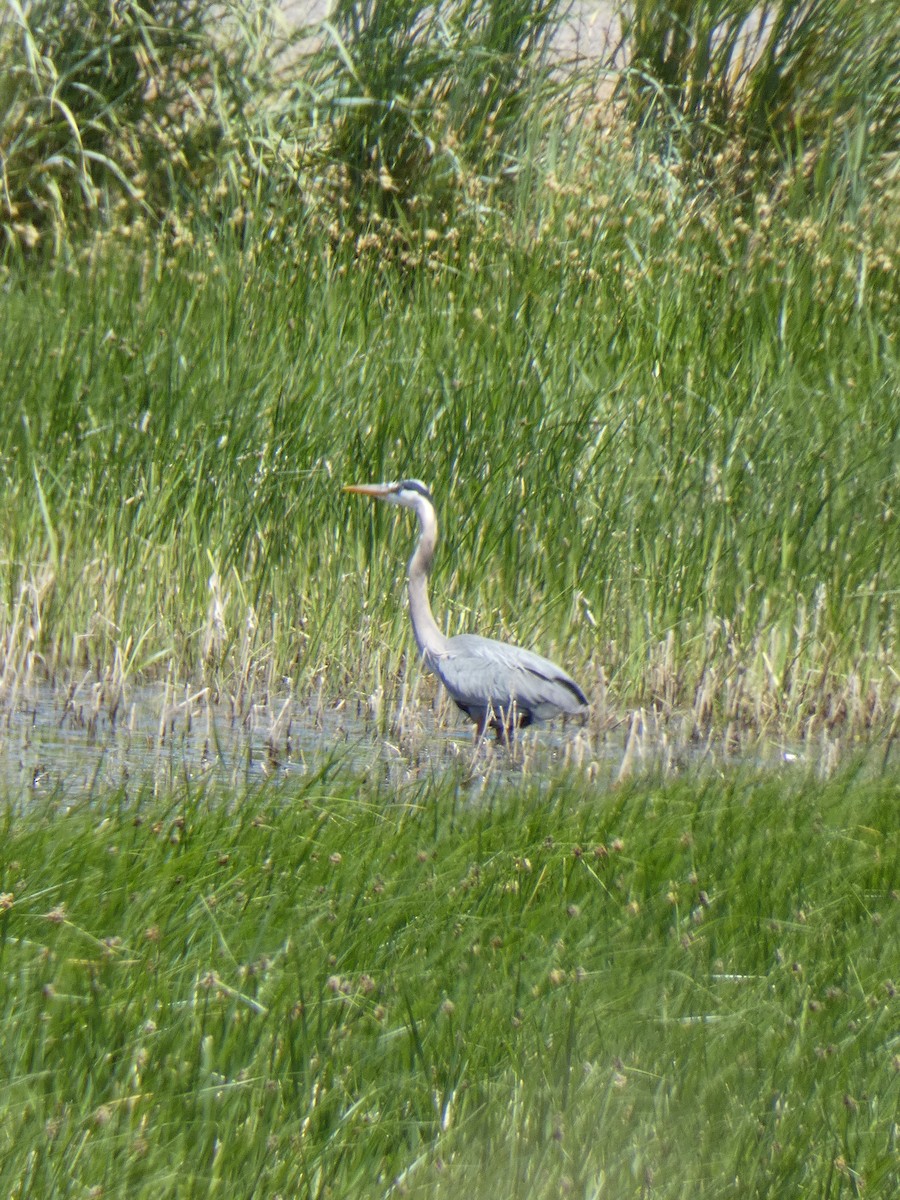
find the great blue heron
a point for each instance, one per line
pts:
(495, 684)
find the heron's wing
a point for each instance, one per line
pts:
(481, 673)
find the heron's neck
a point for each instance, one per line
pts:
(428, 635)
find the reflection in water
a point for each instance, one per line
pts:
(75, 743)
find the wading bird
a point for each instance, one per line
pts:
(497, 685)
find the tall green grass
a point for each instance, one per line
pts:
(114, 112)
(146, 112)
(327, 989)
(429, 102)
(785, 78)
(151, 112)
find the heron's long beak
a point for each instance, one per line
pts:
(379, 490)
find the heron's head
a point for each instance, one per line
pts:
(409, 493)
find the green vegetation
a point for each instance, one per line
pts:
(152, 108)
(335, 989)
(645, 350)
(111, 111)
(656, 397)
(663, 436)
(767, 79)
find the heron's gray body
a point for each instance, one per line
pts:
(499, 686)
(495, 683)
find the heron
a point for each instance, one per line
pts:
(497, 685)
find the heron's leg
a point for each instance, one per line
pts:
(482, 724)
(504, 725)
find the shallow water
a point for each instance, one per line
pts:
(74, 742)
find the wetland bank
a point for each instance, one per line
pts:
(266, 927)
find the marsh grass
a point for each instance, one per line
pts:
(662, 432)
(773, 80)
(659, 418)
(152, 112)
(111, 115)
(547, 988)
(425, 102)
(147, 112)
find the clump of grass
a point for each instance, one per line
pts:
(401, 111)
(427, 103)
(110, 114)
(774, 81)
(551, 989)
